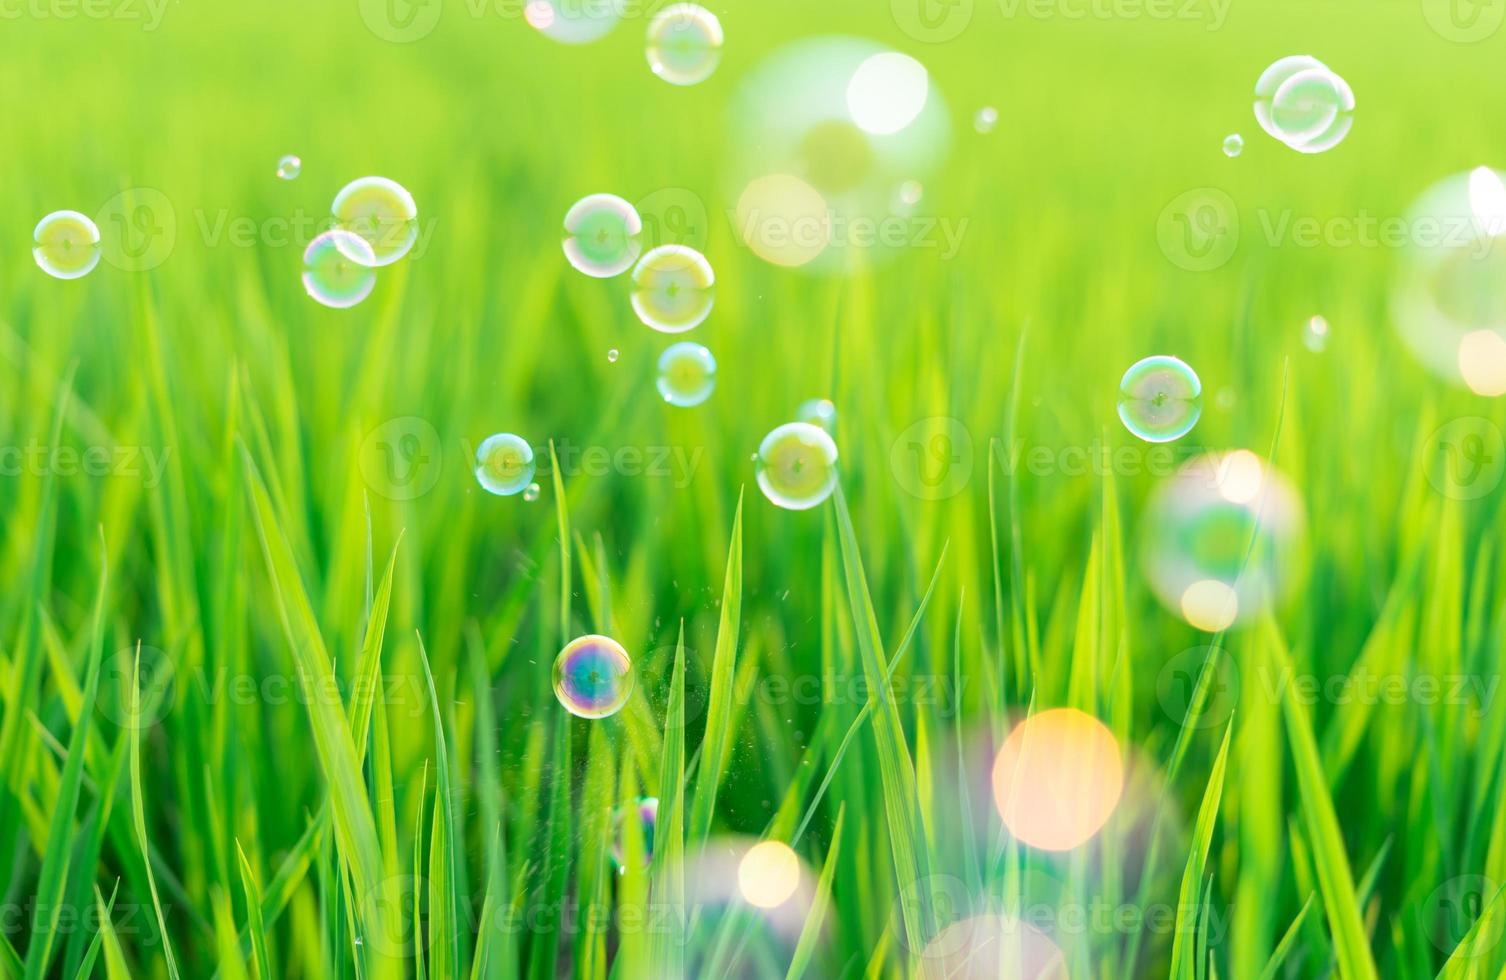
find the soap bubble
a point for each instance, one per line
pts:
(504, 464)
(1234, 145)
(647, 812)
(797, 465)
(380, 211)
(289, 167)
(593, 676)
(1304, 104)
(573, 21)
(687, 374)
(1160, 399)
(1202, 522)
(602, 235)
(684, 44)
(337, 268)
(673, 288)
(67, 245)
(818, 411)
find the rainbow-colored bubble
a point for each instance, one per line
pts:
(382, 212)
(687, 374)
(1160, 398)
(647, 812)
(797, 465)
(504, 464)
(337, 268)
(593, 676)
(602, 235)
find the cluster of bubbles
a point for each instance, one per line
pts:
(673, 288)
(646, 810)
(1304, 104)
(66, 245)
(375, 224)
(1449, 299)
(1223, 539)
(797, 465)
(684, 43)
(1160, 398)
(505, 465)
(825, 131)
(593, 677)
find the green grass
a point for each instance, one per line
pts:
(263, 716)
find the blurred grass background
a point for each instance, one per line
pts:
(496, 131)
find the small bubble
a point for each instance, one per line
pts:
(338, 268)
(612, 355)
(593, 676)
(1234, 145)
(986, 119)
(797, 465)
(532, 493)
(601, 236)
(684, 44)
(504, 464)
(910, 192)
(67, 245)
(687, 374)
(1160, 398)
(380, 211)
(288, 168)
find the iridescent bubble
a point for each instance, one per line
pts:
(822, 133)
(337, 268)
(1160, 398)
(289, 167)
(1200, 525)
(1449, 296)
(380, 211)
(67, 245)
(818, 411)
(1057, 779)
(647, 812)
(573, 21)
(687, 374)
(1234, 145)
(593, 676)
(684, 44)
(612, 355)
(797, 465)
(602, 235)
(673, 288)
(504, 464)
(531, 493)
(1304, 104)
(986, 119)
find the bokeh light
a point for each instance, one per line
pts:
(992, 947)
(1057, 779)
(768, 874)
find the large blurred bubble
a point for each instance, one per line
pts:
(1449, 302)
(825, 133)
(1199, 527)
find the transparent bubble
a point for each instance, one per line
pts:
(1160, 398)
(986, 119)
(673, 288)
(910, 193)
(380, 211)
(1302, 103)
(602, 235)
(684, 44)
(818, 411)
(531, 493)
(1449, 295)
(687, 374)
(647, 812)
(797, 465)
(337, 268)
(1315, 334)
(1202, 522)
(822, 133)
(573, 21)
(67, 245)
(593, 676)
(504, 464)
(1234, 145)
(612, 355)
(289, 167)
